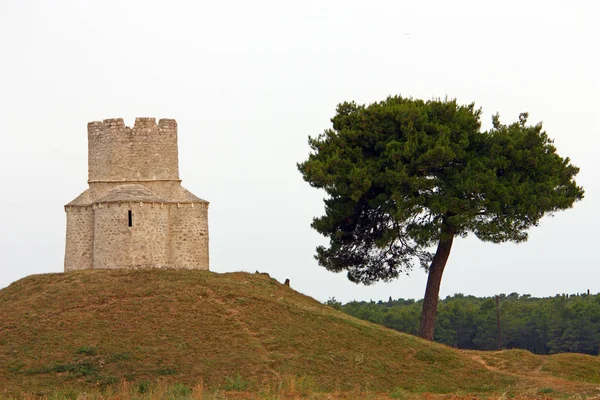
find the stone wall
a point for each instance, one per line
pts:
(143, 244)
(80, 238)
(145, 152)
(189, 235)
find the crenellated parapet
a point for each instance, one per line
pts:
(146, 151)
(142, 125)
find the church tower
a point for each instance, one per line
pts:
(135, 213)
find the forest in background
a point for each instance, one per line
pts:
(563, 323)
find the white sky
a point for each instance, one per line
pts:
(248, 82)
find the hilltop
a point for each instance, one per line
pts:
(95, 329)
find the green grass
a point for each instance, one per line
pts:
(573, 367)
(235, 333)
(569, 366)
(235, 384)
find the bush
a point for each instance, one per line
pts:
(87, 350)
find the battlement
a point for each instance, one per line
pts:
(142, 125)
(146, 151)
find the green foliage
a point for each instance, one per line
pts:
(17, 367)
(560, 324)
(237, 383)
(332, 302)
(84, 368)
(166, 371)
(402, 173)
(87, 350)
(118, 357)
(178, 391)
(399, 393)
(64, 394)
(143, 387)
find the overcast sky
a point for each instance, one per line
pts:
(248, 82)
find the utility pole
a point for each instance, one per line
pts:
(498, 332)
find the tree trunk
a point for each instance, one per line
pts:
(434, 279)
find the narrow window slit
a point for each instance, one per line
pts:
(130, 218)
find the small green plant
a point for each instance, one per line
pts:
(305, 384)
(267, 395)
(166, 371)
(182, 345)
(118, 357)
(77, 369)
(399, 393)
(546, 390)
(216, 395)
(235, 384)
(64, 394)
(143, 387)
(106, 380)
(15, 367)
(87, 350)
(178, 391)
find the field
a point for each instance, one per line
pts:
(197, 334)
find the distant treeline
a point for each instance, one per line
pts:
(564, 323)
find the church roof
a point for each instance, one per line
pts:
(136, 193)
(82, 200)
(127, 193)
(182, 195)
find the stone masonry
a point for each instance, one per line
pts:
(135, 213)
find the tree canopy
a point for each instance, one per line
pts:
(404, 175)
(563, 323)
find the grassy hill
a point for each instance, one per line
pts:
(240, 332)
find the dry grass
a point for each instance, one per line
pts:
(163, 391)
(102, 334)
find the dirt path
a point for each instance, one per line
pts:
(535, 380)
(232, 314)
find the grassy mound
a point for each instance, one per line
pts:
(569, 366)
(237, 331)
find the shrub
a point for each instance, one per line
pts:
(87, 350)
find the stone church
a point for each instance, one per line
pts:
(135, 213)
